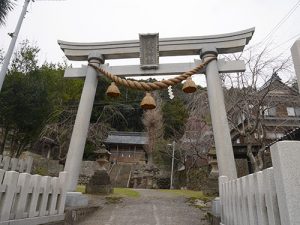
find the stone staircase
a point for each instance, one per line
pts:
(119, 174)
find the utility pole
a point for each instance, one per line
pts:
(172, 168)
(12, 44)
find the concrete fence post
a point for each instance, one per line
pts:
(6, 162)
(29, 162)
(269, 197)
(46, 186)
(63, 176)
(222, 180)
(31, 199)
(35, 184)
(10, 180)
(14, 164)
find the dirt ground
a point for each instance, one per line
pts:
(153, 207)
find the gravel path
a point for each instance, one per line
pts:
(151, 208)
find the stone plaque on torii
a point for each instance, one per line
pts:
(149, 48)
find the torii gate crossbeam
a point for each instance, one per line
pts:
(224, 43)
(205, 46)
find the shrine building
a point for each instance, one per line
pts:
(127, 147)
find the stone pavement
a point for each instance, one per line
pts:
(151, 208)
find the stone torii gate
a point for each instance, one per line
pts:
(148, 49)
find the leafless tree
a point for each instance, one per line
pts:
(98, 131)
(60, 131)
(1, 56)
(153, 123)
(248, 98)
(192, 147)
(197, 139)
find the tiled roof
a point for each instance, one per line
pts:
(292, 135)
(135, 138)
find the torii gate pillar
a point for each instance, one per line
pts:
(82, 122)
(226, 162)
(295, 50)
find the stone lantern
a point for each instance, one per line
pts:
(103, 157)
(135, 178)
(100, 181)
(214, 173)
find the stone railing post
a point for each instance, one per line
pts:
(286, 164)
(225, 157)
(82, 122)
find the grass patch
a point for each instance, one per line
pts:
(113, 200)
(118, 192)
(192, 197)
(125, 192)
(189, 194)
(80, 188)
(192, 202)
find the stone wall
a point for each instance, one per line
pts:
(49, 167)
(87, 170)
(199, 180)
(43, 166)
(75, 215)
(242, 167)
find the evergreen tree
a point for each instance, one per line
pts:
(5, 7)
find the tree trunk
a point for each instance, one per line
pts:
(150, 158)
(187, 177)
(4, 141)
(252, 158)
(12, 143)
(20, 148)
(260, 158)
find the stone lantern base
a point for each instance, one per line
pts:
(99, 183)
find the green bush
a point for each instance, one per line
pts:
(41, 171)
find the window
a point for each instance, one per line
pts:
(293, 111)
(279, 135)
(272, 111)
(241, 118)
(274, 135)
(268, 111)
(271, 135)
(297, 111)
(290, 111)
(256, 136)
(263, 110)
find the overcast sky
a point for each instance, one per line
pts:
(111, 20)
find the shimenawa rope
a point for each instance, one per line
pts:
(140, 85)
